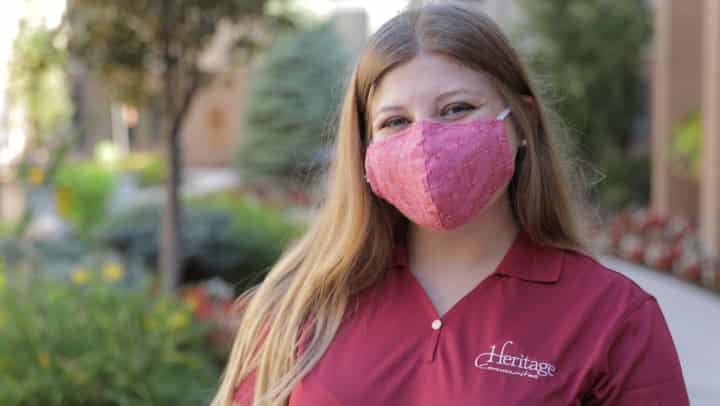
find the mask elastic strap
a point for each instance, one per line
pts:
(503, 114)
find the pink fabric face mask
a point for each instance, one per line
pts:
(441, 174)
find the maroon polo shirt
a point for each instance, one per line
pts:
(547, 327)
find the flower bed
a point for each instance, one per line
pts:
(90, 339)
(213, 302)
(664, 243)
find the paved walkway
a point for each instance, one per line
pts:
(693, 315)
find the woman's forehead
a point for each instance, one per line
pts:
(428, 76)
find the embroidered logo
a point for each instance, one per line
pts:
(512, 364)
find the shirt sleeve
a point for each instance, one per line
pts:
(641, 366)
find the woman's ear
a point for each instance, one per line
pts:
(529, 101)
(530, 104)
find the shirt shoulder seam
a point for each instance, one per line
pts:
(611, 337)
(637, 306)
(631, 309)
(645, 295)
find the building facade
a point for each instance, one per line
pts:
(686, 78)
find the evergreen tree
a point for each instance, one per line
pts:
(593, 52)
(293, 98)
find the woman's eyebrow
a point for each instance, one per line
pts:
(387, 108)
(455, 92)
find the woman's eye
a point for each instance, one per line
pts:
(395, 121)
(457, 108)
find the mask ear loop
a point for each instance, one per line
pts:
(503, 114)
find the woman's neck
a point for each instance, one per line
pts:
(478, 244)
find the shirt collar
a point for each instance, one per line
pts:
(525, 259)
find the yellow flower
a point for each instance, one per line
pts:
(44, 359)
(36, 175)
(64, 201)
(112, 271)
(178, 320)
(80, 276)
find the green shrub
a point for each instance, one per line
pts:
(599, 86)
(223, 236)
(626, 182)
(59, 257)
(7, 228)
(83, 187)
(149, 167)
(82, 190)
(87, 340)
(248, 216)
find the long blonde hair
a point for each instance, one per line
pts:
(350, 244)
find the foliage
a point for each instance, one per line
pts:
(292, 100)
(43, 174)
(88, 340)
(37, 81)
(687, 144)
(125, 40)
(153, 49)
(83, 187)
(593, 51)
(222, 236)
(628, 183)
(247, 215)
(214, 301)
(37, 89)
(149, 167)
(6, 228)
(82, 191)
(43, 253)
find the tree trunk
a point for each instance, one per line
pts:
(169, 258)
(171, 227)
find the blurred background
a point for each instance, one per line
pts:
(157, 156)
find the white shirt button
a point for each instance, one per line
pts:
(436, 324)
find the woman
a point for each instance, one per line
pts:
(446, 266)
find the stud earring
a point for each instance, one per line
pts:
(523, 143)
